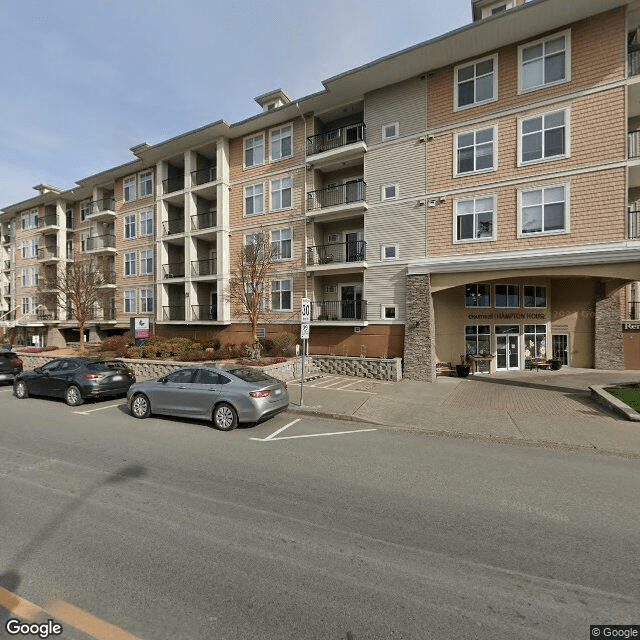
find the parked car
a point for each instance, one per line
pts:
(10, 366)
(224, 396)
(75, 380)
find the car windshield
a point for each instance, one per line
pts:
(251, 375)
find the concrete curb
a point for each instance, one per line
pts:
(603, 397)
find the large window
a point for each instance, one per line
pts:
(281, 142)
(507, 295)
(281, 295)
(129, 189)
(477, 295)
(544, 62)
(477, 339)
(476, 83)
(130, 226)
(281, 243)
(474, 219)
(255, 239)
(253, 199)
(146, 262)
(146, 223)
(280, 194)
(253, 151)
(535, 341)
(535, 296)
(130, 301)
(146, 184)
(130, 263)
(146, 300)
(543, 136)
(543, 210)
(474, 151)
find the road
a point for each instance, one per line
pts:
(171, 530)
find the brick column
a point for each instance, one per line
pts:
(609, 349)
(419, 330)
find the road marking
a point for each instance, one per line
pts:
(313, 435)
(19, 606)
(84, 413)
(280, 430)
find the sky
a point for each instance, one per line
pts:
(83, 81)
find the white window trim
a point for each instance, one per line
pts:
(567, 60)
(282, 126)
(282, 310)
(139, 184)
(567, 211)
(271, 181)
(493, 57)
(494, 235)
(126, 224)
(141, 298)
(567, 136)
(389, 244)
(536, 286)
(486, 11)
(489, 306)
(149, 211)
(135, 264)
(264, 151)
(280, 242)
(134, 298)
(384, 187)
(244, 200)
(144, 260)
(393, 137)
(456, 174)
(383, 308)
(135, 188)
(506, 284)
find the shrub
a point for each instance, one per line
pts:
(284, 344)
(198, 356)
(117, 345)
(134, 352)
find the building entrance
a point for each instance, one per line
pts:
(507, 347)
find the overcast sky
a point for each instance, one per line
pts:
(84, 80)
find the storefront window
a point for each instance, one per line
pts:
(507, 295)
(535, 296)
(535, 341)
(477, 339)
(477, 295)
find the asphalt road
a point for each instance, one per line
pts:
(171, 530)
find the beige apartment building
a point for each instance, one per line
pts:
(474, 194)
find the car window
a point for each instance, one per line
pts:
(71, 366)
(181, 376)
(223, 380)
(51, 366)
(206, 376)
(251, 375)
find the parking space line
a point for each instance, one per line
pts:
(314, 435)
(280, 430)
(88, 411)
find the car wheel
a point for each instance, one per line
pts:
(20, 390)
(225, 417)
(140, 407)
(73, 397)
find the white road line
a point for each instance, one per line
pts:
(312, 435)
(280, 430)
(84, 413)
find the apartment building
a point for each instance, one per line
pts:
(475, 194)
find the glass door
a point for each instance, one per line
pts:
(351, 302)
(560, 347)
(507, 347)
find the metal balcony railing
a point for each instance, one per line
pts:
(46, 253)
(45, 314)
(98, 206)
(7, 265)
(335, 138)
(634, 63)
(109, 277)
(633, 224)
(205, 220)
(204, 312)
(100, 242)
(173, 270)
(173, 313)
(176, 225)
(174, 183)
(633, 310)
(633, 138)
(341, 194)
(203, 267)
(340, 252)
(339, 310)
(202, 176)
(49, 220)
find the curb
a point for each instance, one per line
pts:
(603, 397)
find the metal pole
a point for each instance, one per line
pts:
(304, 349)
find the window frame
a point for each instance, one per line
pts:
(494, 221)
(396, 248)
(126, 262)
(567, 210)
(507, 295)
(244, 201)
(456, 83)
(142, 181)
(281, 191)
(272, 143)
(144, 301)
(567, 60)
(144, 260)
(244, 150)
(535, 288)
(384, 307)
(128, 299)
(127, 188)
(280, 291)
(477, 306)
(396, 191)
(567, 136)
(395, 136)
(146, 222)
(280, 241)
(494, 151)
(129, 225)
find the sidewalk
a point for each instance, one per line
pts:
(543, 408)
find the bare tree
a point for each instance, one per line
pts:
(76, 287)
(250, 280)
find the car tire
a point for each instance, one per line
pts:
(20, 390)
(225, 417)
(140, 406)
(73, 396)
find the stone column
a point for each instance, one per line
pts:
(609, 349)
(419, 330)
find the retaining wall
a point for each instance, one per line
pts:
(377, 368)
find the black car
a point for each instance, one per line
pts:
(10, 366)
(75, 380)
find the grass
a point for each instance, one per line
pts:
(630, 397)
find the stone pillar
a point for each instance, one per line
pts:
(419, 330)
(55, 338)
(609, 348)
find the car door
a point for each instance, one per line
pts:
(60, 378)
(203, 392)
(172, 395)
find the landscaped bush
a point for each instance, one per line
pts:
(214, 343)
(117, 345)
(199, 356)
(263, 362)
(134, 352)
(284, 344)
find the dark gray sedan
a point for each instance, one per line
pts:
(224, 396)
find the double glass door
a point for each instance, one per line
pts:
(507, 347)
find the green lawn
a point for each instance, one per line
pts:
(628, 396)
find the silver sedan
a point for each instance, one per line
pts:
(224, 396)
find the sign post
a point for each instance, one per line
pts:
(305, 319)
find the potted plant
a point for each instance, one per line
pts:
(464, 367)
(556, 362)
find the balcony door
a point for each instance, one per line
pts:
(353, 190)
(351, 301)
(353, 245)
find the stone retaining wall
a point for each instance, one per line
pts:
(377, 368)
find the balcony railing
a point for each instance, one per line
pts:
(204, 312)
(633, 310)
(173, 270)
(6, 238)
(173, 313)
(100, 242)
(633, 224)
(47, 253)
(202, 176)
(204, 220)
(339, 310)
(174, 183)
(176, 225)
(6, 265)
(634, 63)
(350, 192)
(108, 314)
(46, 315)
(336, 138)
(340, 252)
(633, 144)
(49, 220)
(203, 267)
(98, 206)
(109, 278)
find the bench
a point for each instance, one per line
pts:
(444, 369)
(537, 363)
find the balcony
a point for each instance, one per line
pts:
(633, 58)
(338, 201)
(339, 310)
(173, 270)
(175, 313)
(204, 176)
(6, 265)
(45, 315)
(48, 254)
(204, 312)
(174, 183)
(7, 238)
(633, 311)
(103, 315)
(49, 222)
(105, 243)
(633, 225)
(337, 147)
(204, 267)
(103, 209)
(171, 227)
(109, 279)
(207, 220)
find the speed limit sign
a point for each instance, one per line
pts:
(305, 311)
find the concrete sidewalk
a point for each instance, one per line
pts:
(543, 408)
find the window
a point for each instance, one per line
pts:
(34, 276)
(130, 226)
(255, 239)
(476, 83)
(146, 262)
(389, 252)
(85, 209)
(543, 210)
(129, 189)
(24, 221)
(281, 139)
(24, 249)
(535, 296)
(477, 295)
(507, 295)
(130, 264)
(129, 301)
(251, 289)
(389, 311)
(146, 223)
(477, 339)
(473, 219)
(545, 62)
(146, 184)
(26, 277)
(26, 305)
(535, 341)
(390, 131)
(34, 248)
(182, 376)
(253, 199)
(280, 194)
(253, 151)
(281, 295)
(281, 243)
(389, 191)
(543, 137)
(146, 300)
(474, 151)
